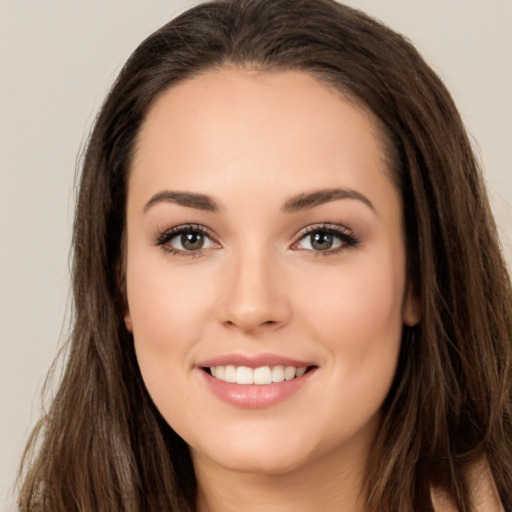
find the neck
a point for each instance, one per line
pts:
(327, 484)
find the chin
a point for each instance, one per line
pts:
(267, 462)
(267, 450)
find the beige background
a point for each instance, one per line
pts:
(57, 59)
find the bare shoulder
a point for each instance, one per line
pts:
(484, 493)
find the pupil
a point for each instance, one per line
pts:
(321, 241)
(192, 241)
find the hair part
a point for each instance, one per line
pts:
(104, 445)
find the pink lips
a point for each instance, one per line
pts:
(253, 361)
(253, 396)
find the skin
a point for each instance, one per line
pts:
(484, 494)
(251, 141)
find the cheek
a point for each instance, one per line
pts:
(169, 309)
(164, 331)
(363, 299)
(165, 304)
(359, 322)
(357, 315)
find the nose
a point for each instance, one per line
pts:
(254, 295)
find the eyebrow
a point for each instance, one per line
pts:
(188, 199)
(296, 203)
(312, 199)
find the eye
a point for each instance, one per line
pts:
(186, 240)
(327, 239)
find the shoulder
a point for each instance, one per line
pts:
(484, 494)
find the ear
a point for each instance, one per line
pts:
(128, 321)
(412, 307)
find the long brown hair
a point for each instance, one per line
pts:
(103, 446)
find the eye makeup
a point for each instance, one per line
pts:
(319, 239)
(187, 240)
(325, 239)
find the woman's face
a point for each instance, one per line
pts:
(265, 243)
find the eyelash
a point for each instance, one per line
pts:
(164, 239)
(347, 239)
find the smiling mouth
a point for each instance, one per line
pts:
(260, 376)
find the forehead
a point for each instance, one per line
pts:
(253, 127)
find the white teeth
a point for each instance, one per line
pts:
(230, 375)
(220, 372)
(289, 372)
(278, 374)
(263, 375)
(244, 375)
(300, 371)
(260, 376)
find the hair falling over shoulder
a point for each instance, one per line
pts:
(103, 446)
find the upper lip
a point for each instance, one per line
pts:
(254, 361)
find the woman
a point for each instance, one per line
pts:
(288, 287)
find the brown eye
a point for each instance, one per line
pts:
(186, 240)
(327, 239)
(192, 240)
(321, 241)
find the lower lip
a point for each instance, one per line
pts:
(252, 396)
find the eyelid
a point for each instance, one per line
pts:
(166, 236)
(343, 233)
(346, 236)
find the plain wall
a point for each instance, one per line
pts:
(58, 59)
